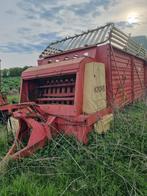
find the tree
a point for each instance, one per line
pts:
(13, 72)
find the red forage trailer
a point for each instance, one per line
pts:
(77, 84)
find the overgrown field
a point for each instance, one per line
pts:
(110, 165)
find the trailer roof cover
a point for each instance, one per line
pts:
(102, 35)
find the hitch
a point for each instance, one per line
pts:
(33, 132)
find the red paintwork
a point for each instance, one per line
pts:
(3, 100)
(52, 94)
(125, 75)
(70, 55)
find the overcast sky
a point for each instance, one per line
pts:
(27, 26)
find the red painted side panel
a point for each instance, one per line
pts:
(125, 75)
(138, 78)
(121, 77)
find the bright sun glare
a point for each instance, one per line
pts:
(132, 18)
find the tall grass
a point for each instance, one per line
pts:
(111, 164)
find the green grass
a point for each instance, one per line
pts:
(3, 140)
(113, 164)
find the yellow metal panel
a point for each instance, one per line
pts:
(13, 125)
(103, 125)
(94, 98)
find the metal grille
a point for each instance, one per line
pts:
(55, 90)
(126, 43)
(105, 34)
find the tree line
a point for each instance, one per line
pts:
(13, 72)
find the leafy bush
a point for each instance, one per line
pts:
(10, 84)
